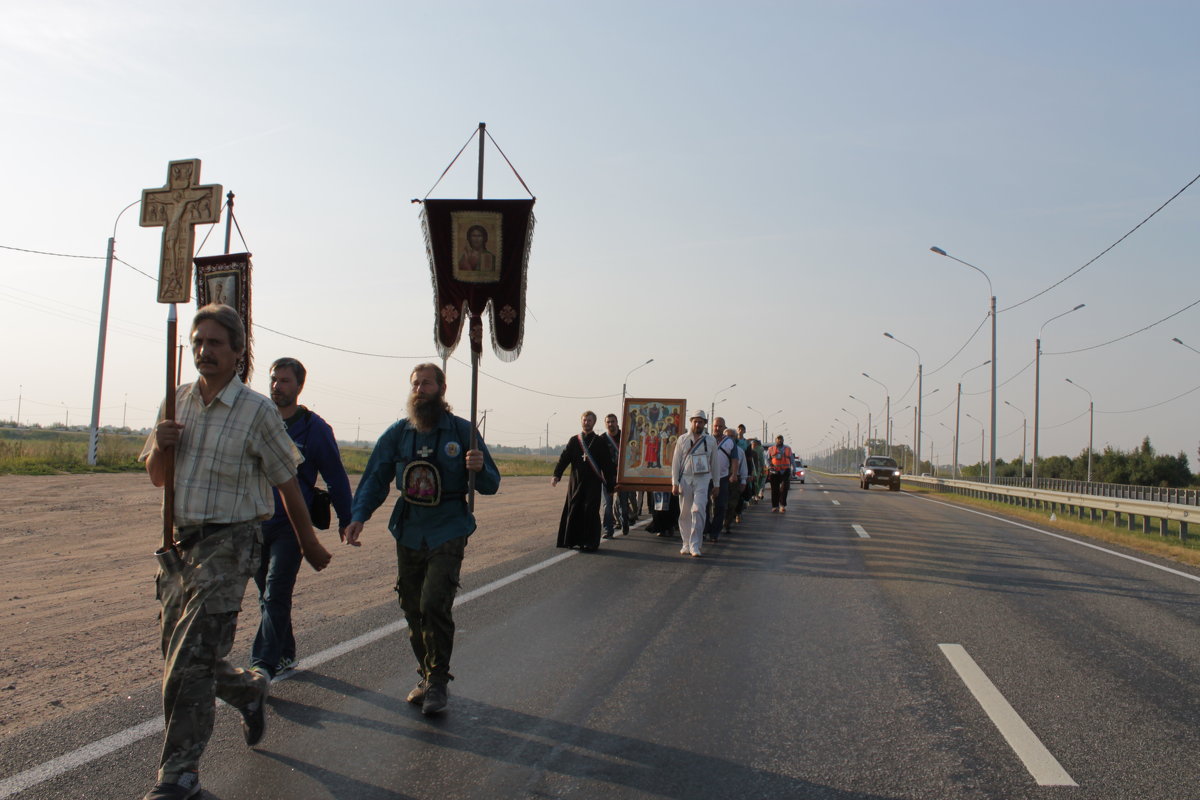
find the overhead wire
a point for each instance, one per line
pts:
(1126, 336)
(1105, 250)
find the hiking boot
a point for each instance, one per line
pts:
(254, 715)
(435, 699)
(186, 787)
(417, 695)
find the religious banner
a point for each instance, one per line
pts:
(226, 280)
(478, 254)
(177, 208)
(650, 429)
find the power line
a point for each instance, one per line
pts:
(1126, 336)
(1105, 250)
(45, 253)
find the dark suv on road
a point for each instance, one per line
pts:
(879, 469)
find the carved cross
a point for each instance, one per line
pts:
(176, 208)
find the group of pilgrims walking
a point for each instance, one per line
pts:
(714, 476)
(243, 470)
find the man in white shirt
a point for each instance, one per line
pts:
(724, 472)
(692, 480)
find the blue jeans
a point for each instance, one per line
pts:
(276, 578)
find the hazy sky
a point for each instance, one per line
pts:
(746, 194)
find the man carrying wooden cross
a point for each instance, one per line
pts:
(228, 447)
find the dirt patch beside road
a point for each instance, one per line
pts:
(78, 618)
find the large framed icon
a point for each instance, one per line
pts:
(650, 429)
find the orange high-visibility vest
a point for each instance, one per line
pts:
(780, 458)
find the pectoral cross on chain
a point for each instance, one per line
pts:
(177, 208)
(425, 451)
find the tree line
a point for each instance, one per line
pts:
(1138, 467)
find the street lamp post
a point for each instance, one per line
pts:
(548, 429)
(992, 312)
(954, 433)
(1037, 391)
(94, 428)
(764, 420)
(920, 369)
(868, 439)
(1091, 419)
(1024, 431)
(625, 382)
(712, 411)
(957, 408)
(887, 414)
(857, 430)
(982, 436)
(847, 427)
(767, 421)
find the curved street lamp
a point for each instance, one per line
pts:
(1091, 419)
(1037, 390)
(982, 436)
(1024, 431)
(548, 429)
(887, 413)
(102, 338)
(957, 406)
(920, 369)
(712, 411)
(625, 382)
(868, 407)
(992, 313)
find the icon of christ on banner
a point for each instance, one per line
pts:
(478, 245)
(478, 254)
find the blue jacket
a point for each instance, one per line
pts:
(314, 439)
(413, 525)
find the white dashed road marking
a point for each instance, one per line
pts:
(859, 530)
(1044, 768)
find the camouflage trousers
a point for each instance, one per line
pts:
(200, 605)
(427, 582)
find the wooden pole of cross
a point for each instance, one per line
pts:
(177, 208)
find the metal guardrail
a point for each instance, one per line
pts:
(1153, 494)
(1076, 503)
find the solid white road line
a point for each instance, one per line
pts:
(1044, 768)
(110, 744)
(860, 531)
(1141, 561)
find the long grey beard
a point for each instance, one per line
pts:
(424, 414)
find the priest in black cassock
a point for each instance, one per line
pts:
(592, 469)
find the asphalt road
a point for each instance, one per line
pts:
(866, 644)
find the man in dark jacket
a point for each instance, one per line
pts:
(274, 649)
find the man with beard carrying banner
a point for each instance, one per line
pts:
(427, 456)
(592, 471)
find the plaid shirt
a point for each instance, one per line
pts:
(230, 453)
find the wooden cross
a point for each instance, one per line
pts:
(176, 208)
